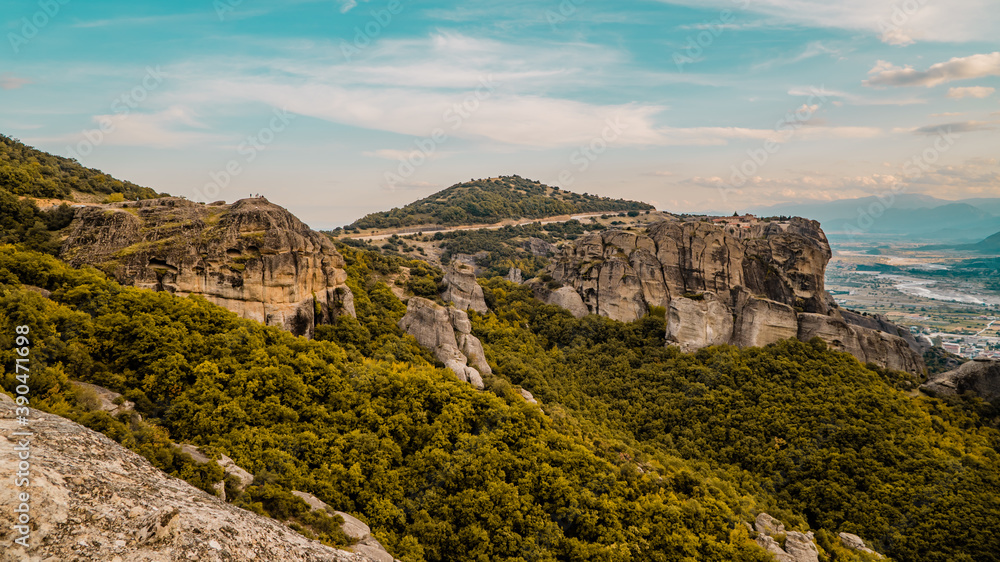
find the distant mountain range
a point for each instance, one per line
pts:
(918, 216)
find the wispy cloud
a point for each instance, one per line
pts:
(960, 127)
(959, 68)
(955, 21)
(11, 82)
(971, 92)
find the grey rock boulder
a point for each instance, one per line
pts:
(463, 290)
(979, 377)
(447, 333)
(855, 542)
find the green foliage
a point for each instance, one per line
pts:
(493, 200)
(440, 470)
(823, 435)
(642, 453)
(27, 171)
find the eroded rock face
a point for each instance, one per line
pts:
(979, 377)
(743, 284)
(252, 257)
(463, 290)
(92, 499)
(447, 333)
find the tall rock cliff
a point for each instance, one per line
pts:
(91, 499)
(746, 283)
(252, 257)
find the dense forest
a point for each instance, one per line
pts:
(493, 200)
(27, 171)
(368, 424)
(638, 452)
(828, 438)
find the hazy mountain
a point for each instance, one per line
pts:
(916, 215)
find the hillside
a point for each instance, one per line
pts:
(493, 200)
(31, 172)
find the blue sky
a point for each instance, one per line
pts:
(339, 108)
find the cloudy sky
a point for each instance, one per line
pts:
(339, 108)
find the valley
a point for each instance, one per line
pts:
(949, 297)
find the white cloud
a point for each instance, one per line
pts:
(975, 66)
(896, 22)
(970, 92)
(170, 128)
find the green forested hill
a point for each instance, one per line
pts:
(27, 171)
(493, 200)
(638, 453)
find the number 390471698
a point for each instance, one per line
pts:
(22, 370)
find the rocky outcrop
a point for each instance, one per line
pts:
(91, 499)
(463, 290)
(539, 248)
(252, 257)
(798, 547)
(447, 333)
(105, 399)
(855, 542)
(353, 527)
(869, 346)
(979, 377)
(794, 546)
(228, 466)
(514, 275)
(745, 284)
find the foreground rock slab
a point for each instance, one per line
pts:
(91, 499)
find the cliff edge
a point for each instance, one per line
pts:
(252, 257)
(728, 281)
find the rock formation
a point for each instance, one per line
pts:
(514, 275)
(743, 284)
(447, 332)
(252, 257)
(353, 527)
(797, 546)
(228, 466)
(854, 542)
(979, 377)
(463, 290)
(91, 499)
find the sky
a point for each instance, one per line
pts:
(338, 108)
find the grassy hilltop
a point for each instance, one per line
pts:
(493, 200)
